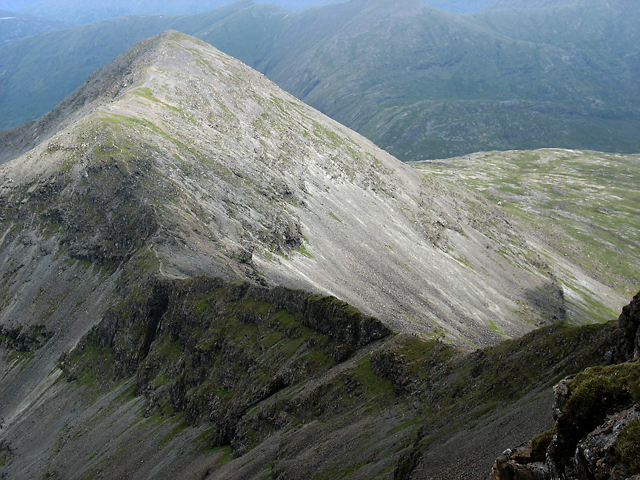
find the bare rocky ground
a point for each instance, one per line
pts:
(176, 161)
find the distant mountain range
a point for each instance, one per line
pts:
(420, 82)
(80, 11)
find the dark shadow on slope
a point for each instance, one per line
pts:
(548, 301)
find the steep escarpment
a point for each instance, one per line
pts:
(207, 378)
(214, 349)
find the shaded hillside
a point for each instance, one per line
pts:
(419, 82)
(203, 378)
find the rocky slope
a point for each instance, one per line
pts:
(579, 206)
(183, 159)
(205, 378)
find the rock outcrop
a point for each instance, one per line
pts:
(629, 322)
(213, 349)
(597, 414)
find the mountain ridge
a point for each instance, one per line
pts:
(115, 109)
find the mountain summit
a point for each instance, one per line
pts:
(179, 154)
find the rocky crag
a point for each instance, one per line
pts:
(208, 378)
(597, 414)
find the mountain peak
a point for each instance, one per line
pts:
(230, 176)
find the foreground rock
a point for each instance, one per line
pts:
(597, 413)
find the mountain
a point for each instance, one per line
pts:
(17, 25)
(348, 220)
(424, 83)
(180, 239)
(66, 58)
(78, 12)
(419, 82)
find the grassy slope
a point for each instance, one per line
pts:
(428, 84)
(582, 205)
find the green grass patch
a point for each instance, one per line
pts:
(332, 215)
(627, 447)
(177, 430)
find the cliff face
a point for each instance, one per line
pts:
(213, 349)
(209, 378)
(597, 414)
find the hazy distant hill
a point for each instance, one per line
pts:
(424, 83)
(420, 82)
(17, 25)
(80, 11)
